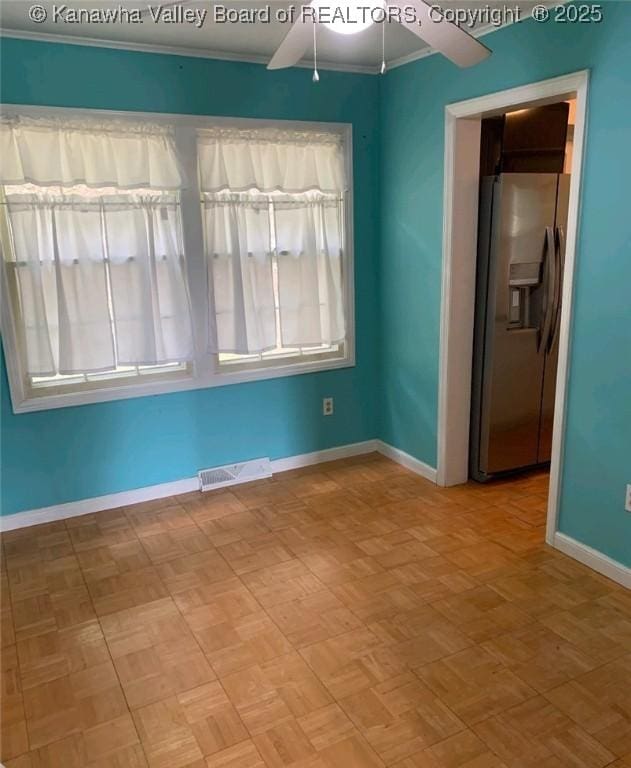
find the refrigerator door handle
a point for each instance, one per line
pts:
(548, 288)
(559, 250)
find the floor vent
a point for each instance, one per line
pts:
(232, 474)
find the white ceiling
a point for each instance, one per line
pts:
(241, 41)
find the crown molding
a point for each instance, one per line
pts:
(174, 50)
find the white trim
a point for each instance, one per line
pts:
(187, 484)
(460, 234)
(178, 50)
(593, 559)
(163, 490)
(531, 94)
(327, 454)
(175, 118)
(581, 552)
(408, 58)
(407, 461)
(205, 380)
(458, 298)
(565, 326)
(97, 504)
(206, 372)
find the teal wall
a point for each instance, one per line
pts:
(66, 454)
(597, 462)
(56, 456)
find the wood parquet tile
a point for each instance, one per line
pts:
(599, 702)
(349, 615)
(242, 755)
(474, 684)
(536, 732)
(463, 750)
(261, 551)
(112, 560)
(313, 619)
(46, 657)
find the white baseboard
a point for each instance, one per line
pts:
(161, 491)
(595, 560)
(581, 552)
(97, 504)
(328, 454)
(407, 461)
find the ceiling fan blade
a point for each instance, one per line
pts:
(294, 45)
(444, 36)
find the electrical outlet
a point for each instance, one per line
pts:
(327, 406)
(627, 502)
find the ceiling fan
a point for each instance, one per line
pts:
(419, 17)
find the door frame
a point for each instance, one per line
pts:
(460, 225)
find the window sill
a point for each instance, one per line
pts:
(184, 383)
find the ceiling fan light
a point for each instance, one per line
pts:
(348, 17)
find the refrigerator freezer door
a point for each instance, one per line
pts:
(488, 211)
(551, 358)
(513, 367)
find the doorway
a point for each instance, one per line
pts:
(522, 214)
(460, 228)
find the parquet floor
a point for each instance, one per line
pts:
(350, 615)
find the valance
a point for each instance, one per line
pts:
(270, 160)
(96, 153)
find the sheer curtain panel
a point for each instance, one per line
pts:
(97, 260)
(309, 250)
(239, 252)
(273, 220)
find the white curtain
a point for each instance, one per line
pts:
(272, 204)
(113, 153)
(150, 304)
(270, 160)
(101, 283)
(98, 270)
(239, 249)
(309, 251)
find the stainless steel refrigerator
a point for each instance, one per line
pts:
(521, 247)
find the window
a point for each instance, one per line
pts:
(85, 287)
(149, 256)
(299, 326)
(273, 213)
(281, 351)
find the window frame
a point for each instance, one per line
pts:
(204, 371)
